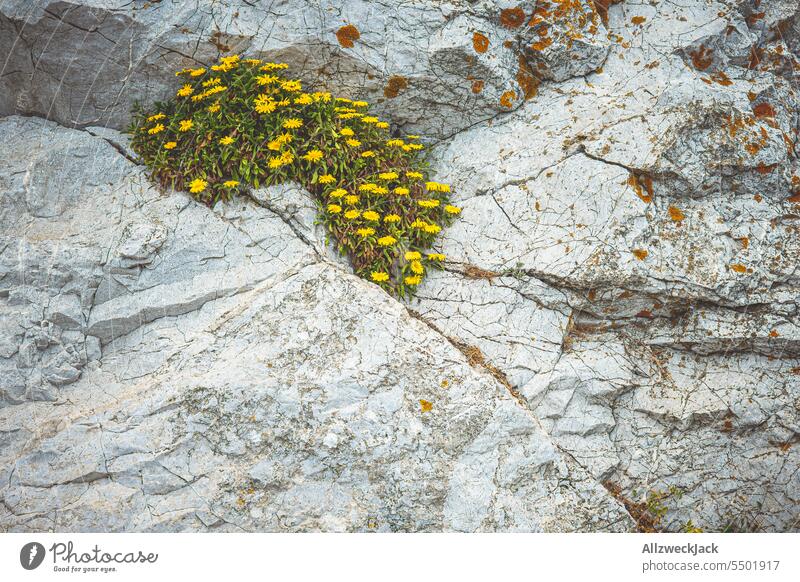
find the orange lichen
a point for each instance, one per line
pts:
(756, 56)
(347, 35)
(763, 110)
(774, 333)
(477, 86)
(676, 214)
(527, 79)
(640, 185)
(507, 99)
(541, 44)
(602, 6)
(702, 58)
(738, 267)
(640, 254)
(395, 85)
(637, 20)
(764, 169)
(722, 79)
(479, 42)
(753, 18)
(425, 406)
(512, 17)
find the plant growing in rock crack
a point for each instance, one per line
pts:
(242, 124)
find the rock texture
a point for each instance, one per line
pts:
(612, 345)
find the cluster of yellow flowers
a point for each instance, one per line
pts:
(262, 128)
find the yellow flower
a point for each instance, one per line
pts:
(413, 146)
(230, 183)
(344, 100)
(380, 190)
(323, 96)
(351, 214)
(436, 257)
(266, 79)
(348, 115)
(391, 218)
(354, 143)
(282, 139)
(185, 91)
(359, 104)
(227, 140)
(432, 228)
(347, 132)
(156, 117)
(419, 224)
(253, 61)
(387, 241)
(281, 160)
(274, 66)
(291, 86)
(197, 185)
(211, 81)
(326, 179)
(437, 187)
(334, 208)
(412, 136)
(388, 176)
(428, 203)
(304, 99)
(197, 72)
(265, 104)
(283, 103)
(293, 123)
(413, 256)
(368, 154)
(414, 175)
(228, 63)
(313, 156)
(395, 143)
(382, 125)
(450, 209)
(213, 108)
(338, 193)
(186, 125)
(380, 276)
(400, 191)
(369, 119)
(170, 145)
(156, 128)
(415, 280)
(276, 162)
(365, 232)
(371, 215)
(368, 187)
(417, 267)
(351, 200)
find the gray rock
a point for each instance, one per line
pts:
(616, 321)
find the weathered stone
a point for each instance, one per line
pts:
(616, 321)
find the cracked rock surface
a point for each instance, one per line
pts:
(612, 344)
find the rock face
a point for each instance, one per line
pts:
(436, 66)
(612, 345)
